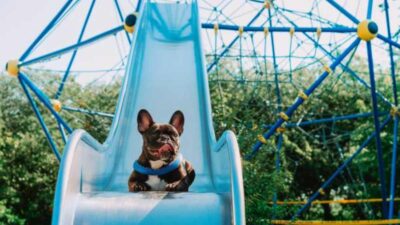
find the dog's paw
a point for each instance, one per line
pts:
(172, 186)
(176, 186)
(140, 187)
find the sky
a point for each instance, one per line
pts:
(21, 21)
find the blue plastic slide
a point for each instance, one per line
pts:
(166, 72)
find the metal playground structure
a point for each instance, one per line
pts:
(266, 41)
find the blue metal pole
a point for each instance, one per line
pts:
(393, 169)
(395, 128)
(343, 11)
(369, 11)
(277, 90)
(328, 120)
(62, 132)
(376, 122)
(281, 29)
(279, 108)
(44, 99)
(138, 5)
(299, 101)
(392, 63)
(340, 169)
(40, 118)
(121, 17)
(71, 61)
(343, 66)
(388, 40)
(211, 66)
(278, 167)
(72, 47)
(45, 31)
(108, 115)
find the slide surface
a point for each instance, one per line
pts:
(165, 72)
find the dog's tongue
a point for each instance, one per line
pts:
(165, 148)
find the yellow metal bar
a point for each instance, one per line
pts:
(319, 31)
(216, 28)
(338, 201)
(284, 116)
(394, 111)
(281, 129)
(267, 4)
(303, 95)
(359, 222)
(241, 30)
(266, 31)
(327, 69)
(262, 139)
(291, 31)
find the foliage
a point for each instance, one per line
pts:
(309, 154)
(28, 168)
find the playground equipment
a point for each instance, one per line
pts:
(310, 38)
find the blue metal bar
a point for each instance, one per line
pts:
(328, 120)
(343, 66)
(278, 168)
(281, 29)
(389, 41)
(44, 99)
(258, 1)
(121, 17)
(138, 5)
(88, 112)
(71, 61)
(40, 118)
(377, 126)
(45, 31)
(395, 128)
(299, 101)
(343, 11)
(62, 132)
(211, 66)
(340, 169)
(72, 47)
(393, 170)
(369, 11)
(277, 90)
(279, 108)
(392, 64)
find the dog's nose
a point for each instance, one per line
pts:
(164, 138)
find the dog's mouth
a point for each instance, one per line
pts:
(165, 151)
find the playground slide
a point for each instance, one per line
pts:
(165, 72)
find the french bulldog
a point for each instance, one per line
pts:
(160, 149)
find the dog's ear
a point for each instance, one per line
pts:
(144, 121)
(177, 120)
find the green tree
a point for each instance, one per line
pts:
(28, 168)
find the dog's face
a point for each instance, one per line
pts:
(160, 141)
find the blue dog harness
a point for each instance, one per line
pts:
(159, 172)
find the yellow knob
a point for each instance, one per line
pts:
(12, 68)
(57, 106)
(367, 30)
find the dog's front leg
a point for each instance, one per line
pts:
(182, 184)
(136, 183)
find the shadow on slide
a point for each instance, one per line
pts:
(166, 72)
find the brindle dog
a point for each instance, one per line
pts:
(161, 147)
